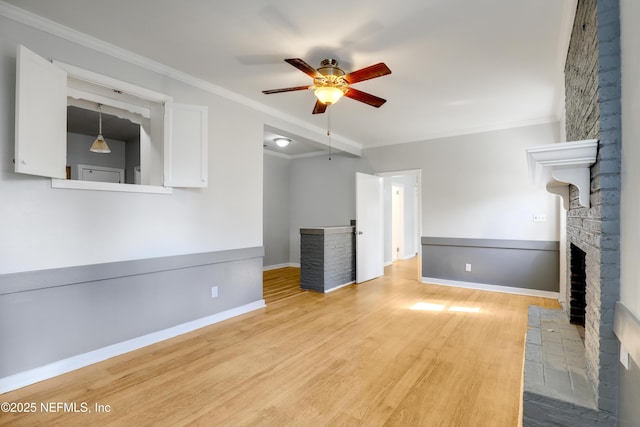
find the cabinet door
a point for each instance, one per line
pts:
(185, 148)
(41, 116)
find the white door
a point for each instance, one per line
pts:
(369, 227)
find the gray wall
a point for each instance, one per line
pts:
(629, 390)
(629, 409)
(528, 264)
(132, 158)
(276, 201)
(322, 194)
(78, 153)
(50, 315)
(45, 229)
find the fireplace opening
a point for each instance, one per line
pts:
(578, 294)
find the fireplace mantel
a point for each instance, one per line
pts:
(561, 164)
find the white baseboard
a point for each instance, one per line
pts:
(492, 288)
(338, 287)
(276, 266)
(23, 379)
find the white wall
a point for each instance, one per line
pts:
(45, 228)
(478, 186)
(630, 198)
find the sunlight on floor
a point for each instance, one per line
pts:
(427, 306)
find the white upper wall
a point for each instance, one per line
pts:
(48, 228)
(630, 197)
(478, 186)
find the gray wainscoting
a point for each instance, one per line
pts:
(528, 264)
(51, 315)
(627, 329)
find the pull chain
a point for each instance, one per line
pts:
(329, 129)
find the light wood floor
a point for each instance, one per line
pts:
(356, 356)
(280, 284)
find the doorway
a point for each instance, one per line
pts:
(403, 213)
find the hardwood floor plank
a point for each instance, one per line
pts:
(280, 283)
(362, 355)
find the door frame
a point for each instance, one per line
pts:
(418, 211)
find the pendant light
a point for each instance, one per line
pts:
(100, 145)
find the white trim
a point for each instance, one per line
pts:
(76, 97)
(274, 154)
(72, 184)
(276, 266)
(113, 84)
(335, 288)
(43, 24)
(32, 376)
(492, 288)
(315, 154)
(299, 156)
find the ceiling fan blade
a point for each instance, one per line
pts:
(370, 72)
(319, 108)
(286, 89)
(304, 67)
(367, 98)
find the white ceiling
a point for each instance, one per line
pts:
(458, 66)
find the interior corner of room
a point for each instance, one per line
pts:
(158, 200)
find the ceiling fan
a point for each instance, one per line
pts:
(330, 83)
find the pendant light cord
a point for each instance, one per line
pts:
(100, 119)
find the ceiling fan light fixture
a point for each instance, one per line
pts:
(328, 94)
(100, 145)
(282, 142)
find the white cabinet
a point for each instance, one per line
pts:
(185, 160)
(41, 116)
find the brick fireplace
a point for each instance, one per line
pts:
(577, 297)
(592, 101)
(592, 108)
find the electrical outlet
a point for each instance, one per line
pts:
(539, 218)
(624, 357)
(467, 267)
(214, 292)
